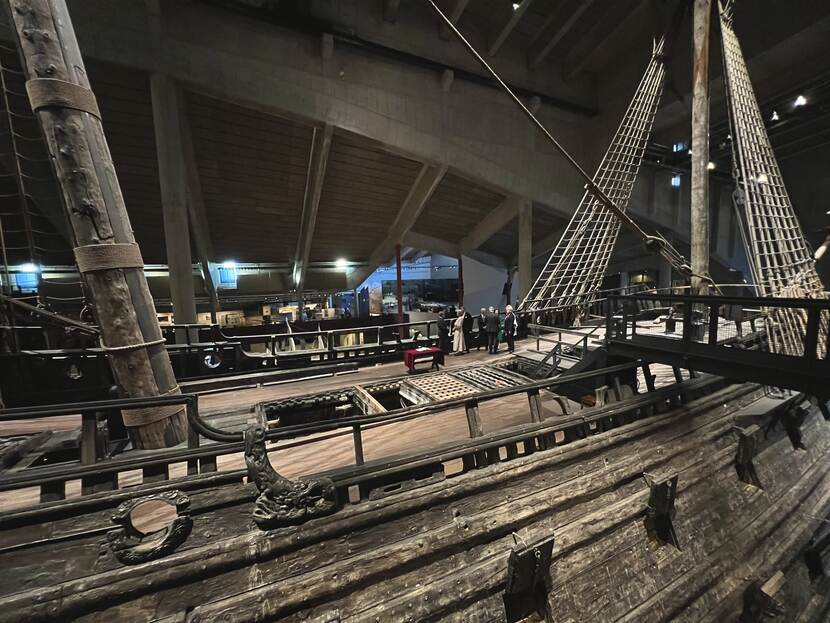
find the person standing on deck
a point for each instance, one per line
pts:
(443, 333)
(481, 321)
(491, 323)
(468, 329)
(458, 345)
(510, 328)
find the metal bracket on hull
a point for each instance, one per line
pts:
(792, 418)
(817, 553)
(660, 509)
(760, 603)
(747, 451)
(527, 580)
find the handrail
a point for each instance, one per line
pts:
(419, 410)
(60, 473)
(216, 434)
(302, 334)
(74, 408)
(762, 301)
(563, 330)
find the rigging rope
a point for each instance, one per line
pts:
(780, 257)
(654, 243)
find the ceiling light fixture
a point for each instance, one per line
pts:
(775, 116)
(800, 101)
(711, 166)
(229, 264)
(342, 264)
(516, 5)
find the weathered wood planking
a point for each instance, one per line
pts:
(440, 552)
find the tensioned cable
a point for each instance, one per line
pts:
(653, 242)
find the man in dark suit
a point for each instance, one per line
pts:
(491, 324)
(481, 321)
(468, 330)
(510, 329)
(443, 333)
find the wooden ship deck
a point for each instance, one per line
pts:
(663, 459)
(648, 509)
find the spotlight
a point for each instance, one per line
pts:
(775, 116)
(711, 166)
(342, 264)
(229, 264)
(516, 5)
(800, 101)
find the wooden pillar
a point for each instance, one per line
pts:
(460, 280)
(525, 255)
(173, 181)
(700, 144)
(105, 248)
(398, 282)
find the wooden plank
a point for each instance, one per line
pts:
(367, 402)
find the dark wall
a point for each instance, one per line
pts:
(807, 178)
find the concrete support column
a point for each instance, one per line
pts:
(398, 282)
(700, 144)
(525, 254)
(173, 181)
(460, 280)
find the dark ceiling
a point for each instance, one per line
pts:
(253, 165)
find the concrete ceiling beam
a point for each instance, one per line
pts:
(430, 244)
(489, 259)
(492, 223)
(552, 33)
(515, 17)
(390, 10)
(196, 210)
(317, 164)
(425, 184)
(579, 58)
(544, 246)
(454, 15)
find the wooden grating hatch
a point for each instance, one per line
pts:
(457, 383)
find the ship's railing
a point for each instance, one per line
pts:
(97, 472)
(330, 340)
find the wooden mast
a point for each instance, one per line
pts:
(105, 249)
(700, 146)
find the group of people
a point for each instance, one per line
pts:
(489, 324)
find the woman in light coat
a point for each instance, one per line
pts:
(458, 344)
